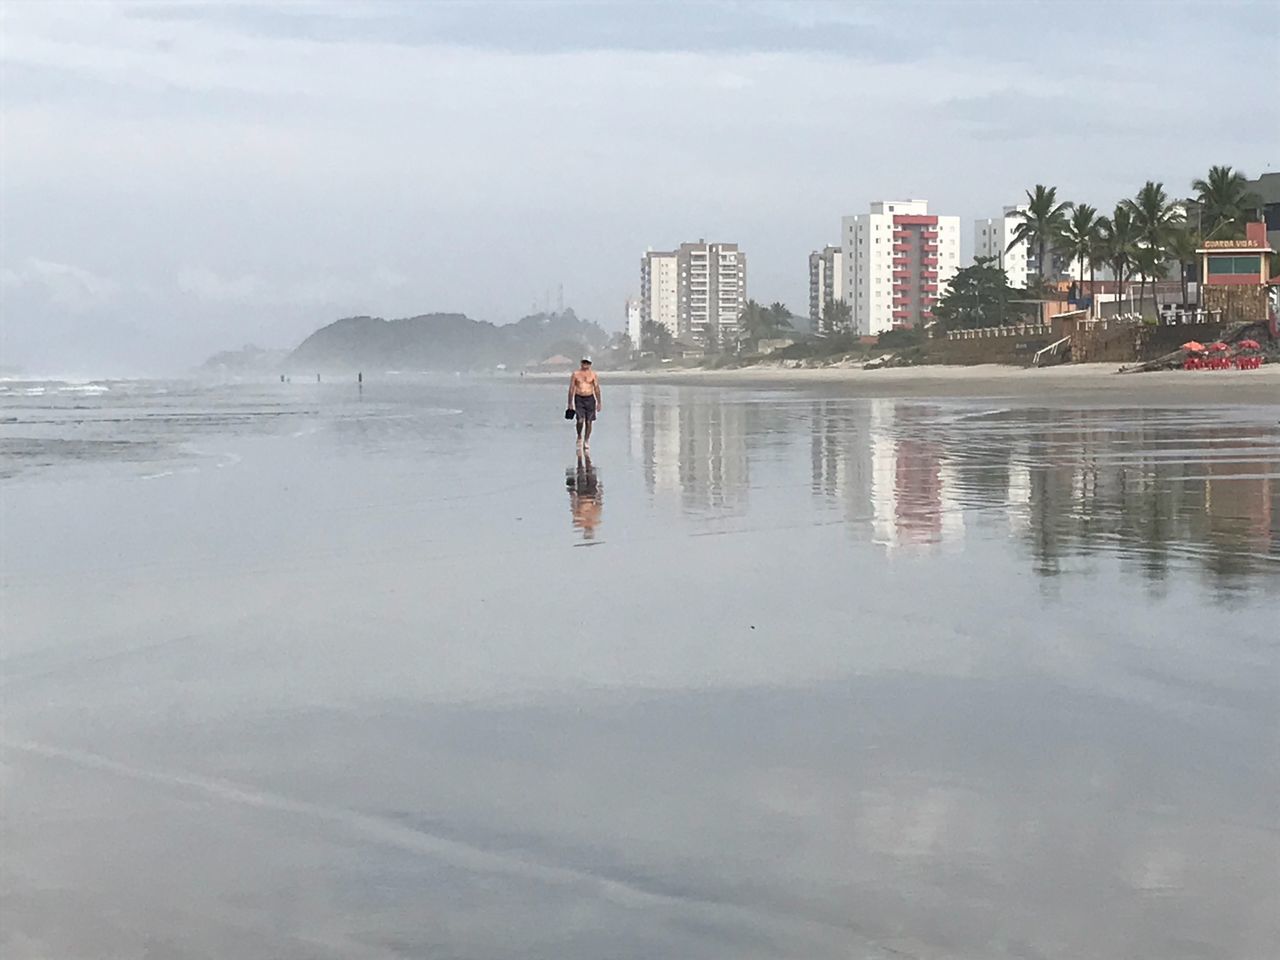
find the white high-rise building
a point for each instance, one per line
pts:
(898, 260)
(660, 290)
(697, 292)
(993, 238)
(826, 283)
(633, 322)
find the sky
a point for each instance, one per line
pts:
(177, 179)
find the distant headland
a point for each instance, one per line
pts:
(428, 342)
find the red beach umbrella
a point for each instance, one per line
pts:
(1249, 345)
(1218, 346)
(1195, 346)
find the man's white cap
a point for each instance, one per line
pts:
(586, 359)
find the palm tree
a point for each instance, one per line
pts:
(1097, 254)
(1155, 216)
(837, 317)
(1150, 263)
(1183, 243)
(1080, 235)
(778, 317)
(1040, 224)
(1119, 239)
(758, 322)
(1225, 201)
(655, 337)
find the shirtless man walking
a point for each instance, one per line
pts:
(584, 400)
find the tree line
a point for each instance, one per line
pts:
(756, 322)
(1144, 236)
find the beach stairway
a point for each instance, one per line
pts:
(1057, 352)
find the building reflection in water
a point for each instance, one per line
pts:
(696, 448)
(586, 496)
(1154, 488)
(892, 473)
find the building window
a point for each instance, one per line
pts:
(1234, 266)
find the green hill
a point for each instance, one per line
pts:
(442, 341)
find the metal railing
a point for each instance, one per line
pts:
(1012, 330)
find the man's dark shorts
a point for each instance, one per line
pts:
(585, 407)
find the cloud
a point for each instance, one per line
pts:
(61, 284)
(205, 284)
(209, 286)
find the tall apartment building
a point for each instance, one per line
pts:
(660, 290)
(633, 322)
(992, 238)
(898, 260)
(697, 291)
(826, 282)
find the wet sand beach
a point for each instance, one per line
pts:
(786, 670)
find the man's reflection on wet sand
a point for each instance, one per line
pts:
(586, 496)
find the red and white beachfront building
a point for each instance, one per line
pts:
(898, 260)
(1237, 276)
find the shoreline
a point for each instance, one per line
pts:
(1098, 381)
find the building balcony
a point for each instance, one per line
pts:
(929, 261)
(929, 234)
(901, 314)
(901, 275)
(929, 287)
(902, 248)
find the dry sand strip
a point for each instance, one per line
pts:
(1095, 382)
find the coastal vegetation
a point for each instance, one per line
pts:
(979, 295)
(1225, 203)
(1147, 235)
(758, 322)
(1041, 223)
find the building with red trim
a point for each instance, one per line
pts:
(1236, 275)
(898, 259)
